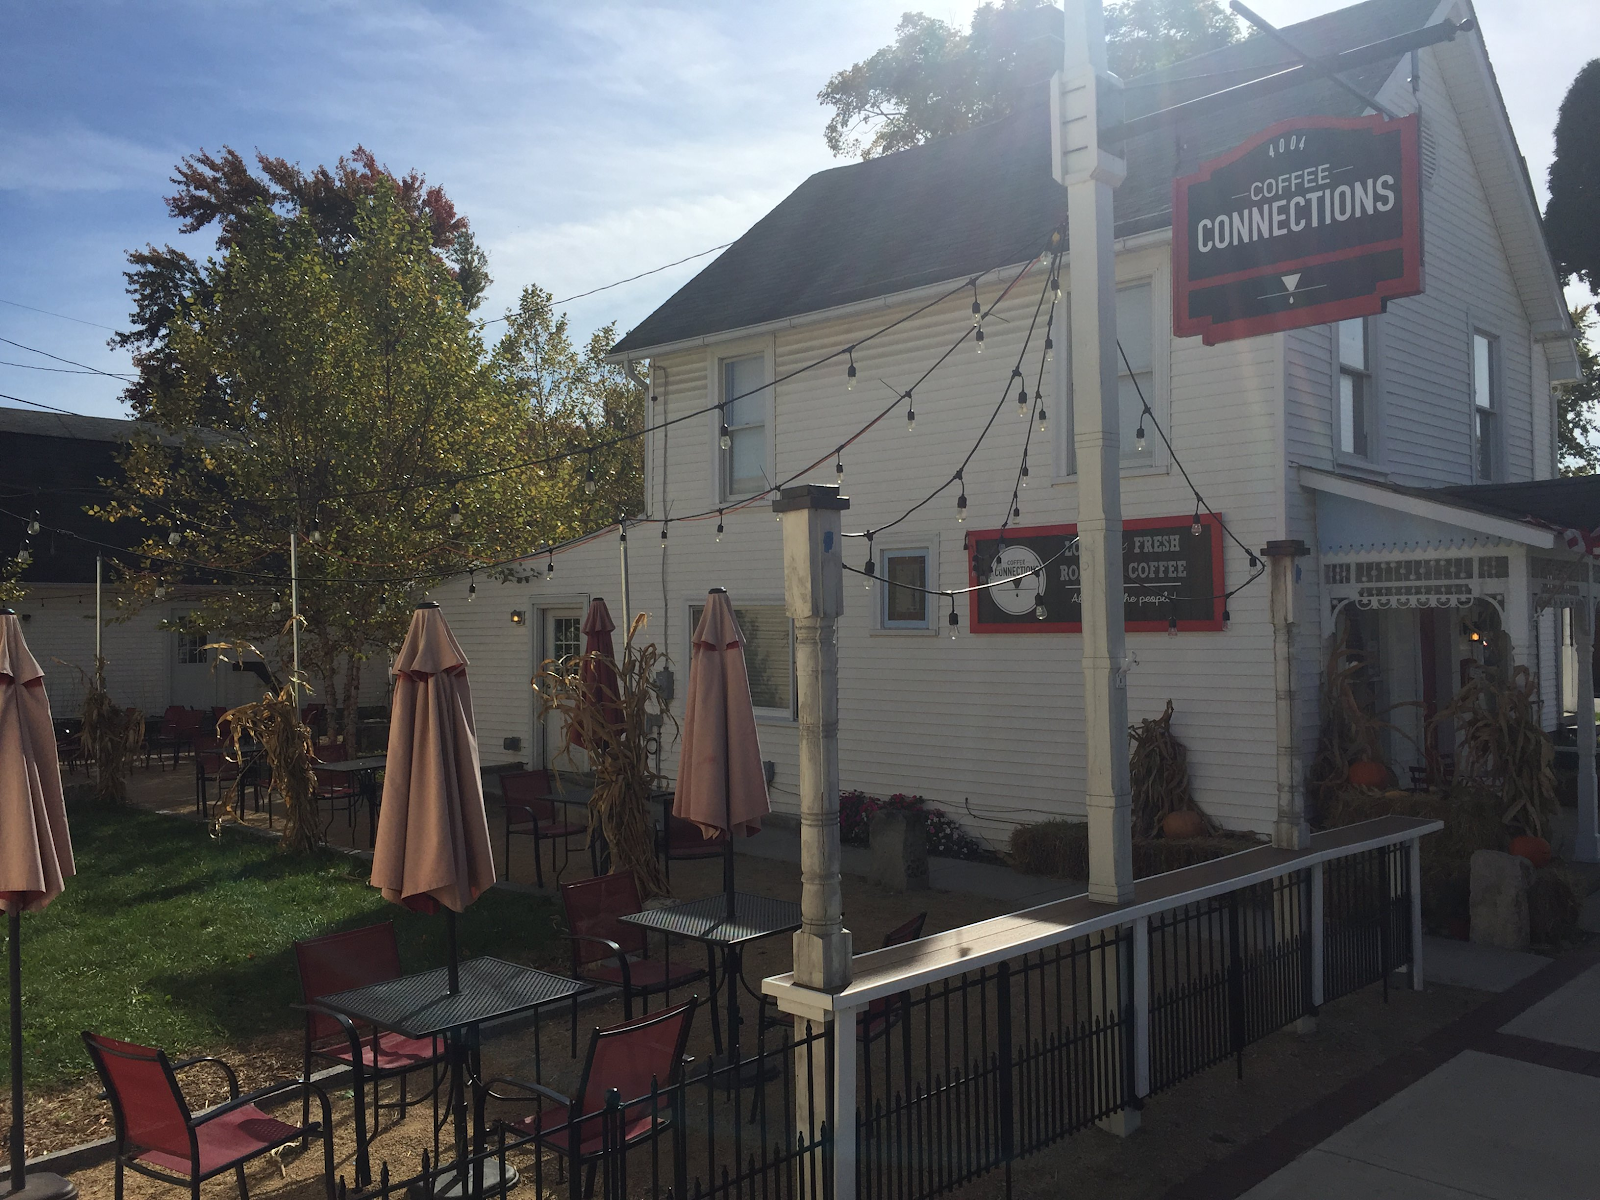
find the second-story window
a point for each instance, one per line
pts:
(1485, 405)
(746, 404)
(1135, 369)
(1355, 388)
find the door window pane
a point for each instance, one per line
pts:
(768, 652)
(905, 573)
(566, 638)
(1353, 343)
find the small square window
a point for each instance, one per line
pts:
(905, 580)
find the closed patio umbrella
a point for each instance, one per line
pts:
(35, 851)
(721, 783)
(433, 834)
(598, 673)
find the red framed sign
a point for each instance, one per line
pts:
(1167, 571)
(1317, 219)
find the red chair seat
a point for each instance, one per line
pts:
(547, 829)
(649, 974)
(551, 1128)
(226, 1140)
(395, 1053)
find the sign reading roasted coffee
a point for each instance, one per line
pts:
(1315, 220)
(1167, 571)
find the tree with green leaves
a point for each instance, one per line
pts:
(934, 80)
(1572, 218)
(1579, 405)
(324, 375)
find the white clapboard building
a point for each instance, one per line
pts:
(1355, 438)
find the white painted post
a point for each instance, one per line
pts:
(1292, 829)
(294, 618)
(1587, 845)
(99, 622)
(813, 579)
(1090, 174)
(1416, 913)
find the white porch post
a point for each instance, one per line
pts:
(813, 580)
(1587, 848)
(1292, 830)
(1090, 174)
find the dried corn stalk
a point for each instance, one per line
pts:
(112, 736)
(1158, 772)
(284, 741)
(619, 756)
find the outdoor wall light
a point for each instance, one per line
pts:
(519, 617)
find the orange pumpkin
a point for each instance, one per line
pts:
(1367, 773)
(1185, 823)
(1535, 849)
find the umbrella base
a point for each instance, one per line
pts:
(42, 1185)
(449, 1185)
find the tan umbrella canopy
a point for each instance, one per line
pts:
(721, 783)
(35, 849)
(433, 834)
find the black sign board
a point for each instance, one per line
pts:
(1167, 570)
(1315, 220)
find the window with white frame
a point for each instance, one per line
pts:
(192, 649)
(768, 654)
(1137, 379)
(905, 575)
(1355, 387)
(1135, 369)
(1485, 405)
(746, 404)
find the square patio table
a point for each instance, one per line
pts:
(706, 920)
(421, 1006)
(365, 769)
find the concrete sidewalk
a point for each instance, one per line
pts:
(1501, 1105)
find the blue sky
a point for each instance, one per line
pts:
(586, 142)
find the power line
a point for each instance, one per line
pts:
(47, 407)
(607, 287)
(123, 375)
(63, 316)
(57, 370)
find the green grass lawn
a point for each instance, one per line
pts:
(169, 937)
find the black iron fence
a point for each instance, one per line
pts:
(1366, 918)
(760, 1127)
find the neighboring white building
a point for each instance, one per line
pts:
(1284, 435)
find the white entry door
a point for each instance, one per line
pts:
(561, 639)
(194, 685)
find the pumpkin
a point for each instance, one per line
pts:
(1369, 774)
(1185, 823)
(1535, 849)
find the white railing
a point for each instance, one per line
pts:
(893, 972)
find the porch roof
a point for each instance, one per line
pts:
(1442, 518)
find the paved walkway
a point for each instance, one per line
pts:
(1501, 1105)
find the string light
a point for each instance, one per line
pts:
(455, 514)
(550, 564)
(955, 621)
(588, 476)
(277, 601)
(663, 537)
(725, 437)
(871, 568)
(1055, 286)
(1194, 525)
(1043, 417)
(1024, 470)
(977, 309)
(838, 468)
(961, 500)
(174, 537)
(911, 414)
(316, 532)
(1172, 623)
(161, 588)
(1227, 618)
(24, 555)
(719, 526)
(1039, 610)
(1016, 511)
(1049, 345)
(1022, 401)
(1138, 435)
(977, 339)
(33, 525)
(850, 374)
(472, 586)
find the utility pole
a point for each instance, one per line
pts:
(294, 616)
(1090, 174)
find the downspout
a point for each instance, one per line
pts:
(643, 385)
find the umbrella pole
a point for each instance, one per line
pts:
(18, 1164)
(450, 941)
(727, 812)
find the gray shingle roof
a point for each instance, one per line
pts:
(986, 198)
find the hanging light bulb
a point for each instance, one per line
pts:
(961, 500)
(1024, 471)
(977, 339)
(1172, 625)
(472, 592)
(1195, 528)
(174, 538)
(161, 588)
(955, 621)
(24, 555)
(277, 601)
(316, 531)
(871, 568)
(1016, 511)
(850, 373)
(33, 525)
(1043, 417)
(1049, 345)
(838, 469)
(455, 514)
(1022, 402)
(550, 565)
(1255, 563)
(911, 414)
(588, 478)
(1227, 618)
(1138, 436)
(977, 309)
(663, 537)
(719, 525)
(1055, 286)
(1039, 610)
(725, 435)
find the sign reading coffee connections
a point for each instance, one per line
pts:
(1167, 571)
(1315, 220)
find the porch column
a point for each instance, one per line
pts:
(813, 587)
(1587, 847)
(1292, 830)
(1090, 175)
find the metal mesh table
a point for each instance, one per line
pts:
(365, 770)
